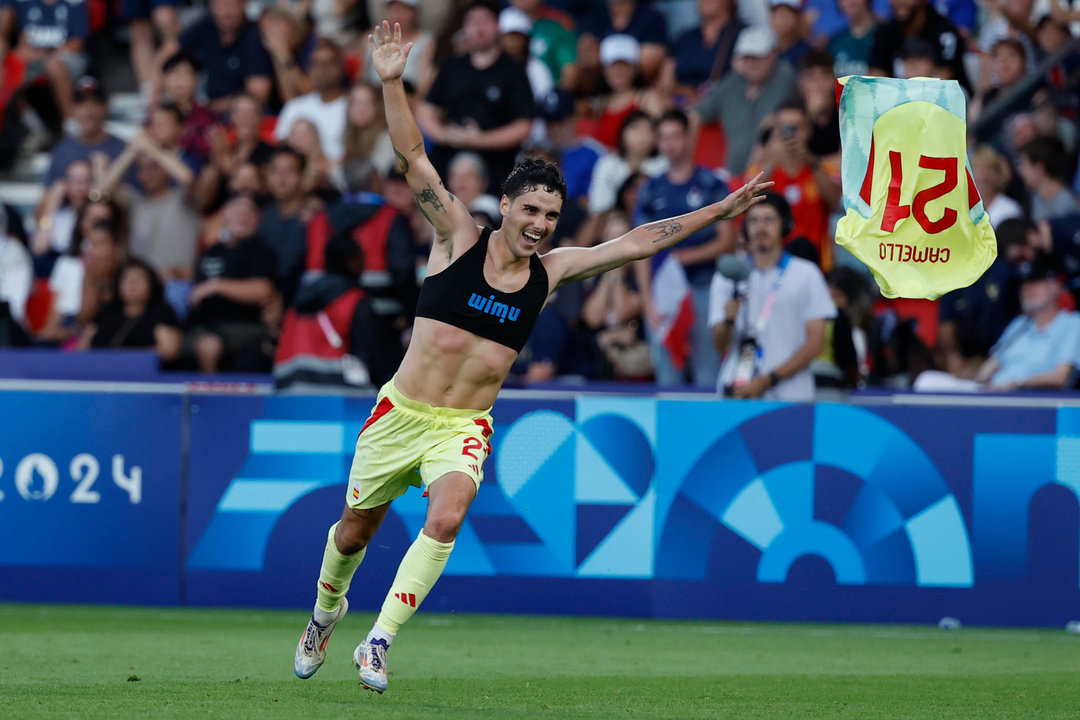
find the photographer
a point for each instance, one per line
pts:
(774, 321)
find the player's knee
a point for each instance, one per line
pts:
(444, 525)
(352, 535)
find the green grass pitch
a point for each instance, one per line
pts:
(107, 662)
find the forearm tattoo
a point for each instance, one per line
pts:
(664, 229)
(403, 164)
(427, 196)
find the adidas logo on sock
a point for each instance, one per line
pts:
(407, 598)
(328, 586)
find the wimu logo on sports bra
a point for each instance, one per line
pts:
(491, 307)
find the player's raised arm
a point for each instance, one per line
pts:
(575, 263)
(445, 214)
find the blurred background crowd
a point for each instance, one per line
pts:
(214, 180)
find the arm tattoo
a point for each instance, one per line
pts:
(664, 229)
(428, 196)
(417, 146)
(402, 162)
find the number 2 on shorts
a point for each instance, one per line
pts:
(471, 444)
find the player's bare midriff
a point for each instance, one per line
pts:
(446, 366)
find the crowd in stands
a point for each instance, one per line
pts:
(252, 218)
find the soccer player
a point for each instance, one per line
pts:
(478, 304)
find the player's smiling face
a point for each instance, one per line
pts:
(528, 219)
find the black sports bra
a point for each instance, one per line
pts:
(460, 296)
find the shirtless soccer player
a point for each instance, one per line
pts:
(481, 297)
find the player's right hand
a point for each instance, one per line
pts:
(387, 53)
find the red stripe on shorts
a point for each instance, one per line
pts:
(381, 409)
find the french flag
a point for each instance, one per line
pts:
(672, 298)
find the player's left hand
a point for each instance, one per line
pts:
(388, 55)
(749, 194)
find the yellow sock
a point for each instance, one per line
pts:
(336, 574)
(419, 569)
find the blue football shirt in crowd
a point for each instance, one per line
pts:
(50, 25)
(659, 198)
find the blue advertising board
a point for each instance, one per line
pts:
(670, 508)
(595, 504)
(90, 490)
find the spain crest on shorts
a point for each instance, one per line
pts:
(912, 211)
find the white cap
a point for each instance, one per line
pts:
(512, 20)
(755, 41)
(795, 5)
(614, 48)
(410, 3)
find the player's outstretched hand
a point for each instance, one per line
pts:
(387, 53)
(749, 194)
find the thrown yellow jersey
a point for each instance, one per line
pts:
(912, 211)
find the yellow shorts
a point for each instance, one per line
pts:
(403, 437)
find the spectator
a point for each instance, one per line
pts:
(787, 21)
(389, 259)
(635, 151)
(468, 182)
(287, 41)
(1040, 349)
(52, 42)
(64, 202)
(16, 276)
(1008, 61)
(630, 17)
(811, 187)
(148, 143)
(328, 338)
(232, 284)
(514, 30)
(321, 174)
(683, 188)
(919, 58)
(1043, 169)
(229, 50)
(144, 18)
(844, 363)
(180, 80)
(338, 21)
(479, 101)
(705, 52)
(83, 281)
(325, 106)
(282, 226)
(137, 317)
(576, 155)
(817, 88)
(851, 46)
(164, 223)
(740, 101)
(553, 40)
(619, 55)
(91, 140)
(366, 138)
(919, 19)
(612, 310)
(992, 175)
(772, 329)
(970, 319)
(246, 181)
(420, 67)
(226, 154)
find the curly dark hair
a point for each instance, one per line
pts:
(533, 173)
